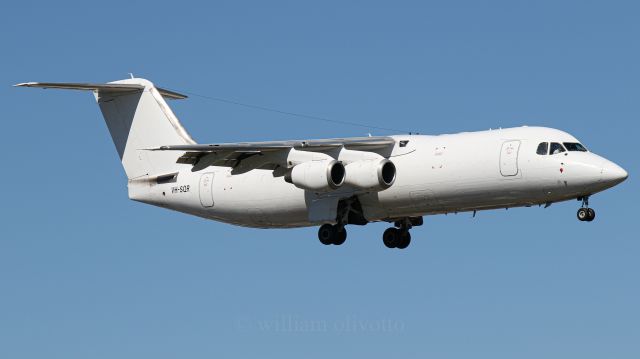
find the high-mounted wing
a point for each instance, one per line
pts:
(257, 153)
(353, 143)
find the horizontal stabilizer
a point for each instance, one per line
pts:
(104, 88)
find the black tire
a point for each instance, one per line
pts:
(583, 214)
(404, 240)
(326, 234)
(591, 214)
(390, 237)
(339, 236)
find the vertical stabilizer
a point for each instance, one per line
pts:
(141, 120)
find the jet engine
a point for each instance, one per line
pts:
(372, 175)
(319, 176)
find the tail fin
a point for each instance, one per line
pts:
(138, 118)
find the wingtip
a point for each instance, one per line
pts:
(24, 84)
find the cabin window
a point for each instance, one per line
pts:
(556, 148)
(543, 148)
(574, 146)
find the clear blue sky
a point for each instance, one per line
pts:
(86, 273)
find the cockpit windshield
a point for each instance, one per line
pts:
(556, 148)
(543, 148)
(553, 148)
(574, 146)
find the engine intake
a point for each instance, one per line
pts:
(372, 175)
(319, 176)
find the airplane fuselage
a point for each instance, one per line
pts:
(435, 174)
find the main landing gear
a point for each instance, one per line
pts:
(332, 234)
(586, 214)
(349, 211)
(396, 238)
(399, 236)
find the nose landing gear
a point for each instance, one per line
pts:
(586, 214)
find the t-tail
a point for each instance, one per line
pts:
(138, 118)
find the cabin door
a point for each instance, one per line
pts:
(509, 158)
(206, 190)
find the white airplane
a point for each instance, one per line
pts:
(335, 182)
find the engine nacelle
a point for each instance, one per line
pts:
(319, 176)
(371, 175)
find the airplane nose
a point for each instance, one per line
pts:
(613, 173)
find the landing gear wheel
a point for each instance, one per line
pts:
(390, 237)
(404, 240)
(326, 234)
(583, 214)
(586, 214)
(340, 235)
(330, 234)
